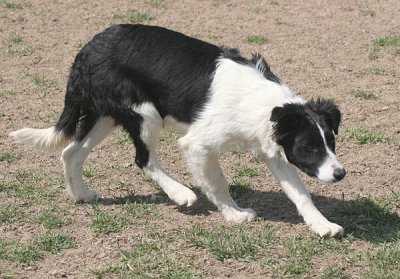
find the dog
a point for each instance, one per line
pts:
(144, 78)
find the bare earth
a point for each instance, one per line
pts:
(319, 48)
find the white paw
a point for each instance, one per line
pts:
(238, 215)
(327, 229)
(184, 196)
(87, 195)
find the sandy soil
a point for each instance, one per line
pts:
(319, 48)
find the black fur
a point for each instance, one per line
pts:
(296, 130)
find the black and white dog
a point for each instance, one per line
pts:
(145, 78)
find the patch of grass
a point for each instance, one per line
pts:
(367, 12)
(38, 80)
(104, 223)
(49, 220)
(91, 172)
(238, 187)
(387, 41)
(370, 220)
(78, 45)
(363, 135)
(363, 94)
(134, 16)
(153, 257)
(8, 156)
(121, 138)
(239, 242)
(34, 250)
(332, 272)
(19, 252)
(376, 71)
(138, 208)
(373, 52)
(6, 93)
(12, 5)
(155, 3)
(257, 39)
(9, 274)
(54, 243)
(247, 172)
(29, 186)
(23, 50)
(1, 78)
(8, 213)
(384, 263)
(150, 259)
(15, 38)
(299, 253)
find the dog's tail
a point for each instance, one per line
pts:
(59, 135)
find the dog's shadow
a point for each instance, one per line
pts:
(361, 218)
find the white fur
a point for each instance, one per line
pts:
(48, 140)
(75, 154)
(237, 115)
(331, 163)
(150, 133)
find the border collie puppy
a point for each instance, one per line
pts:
(145, 78)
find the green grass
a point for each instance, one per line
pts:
(155, 3)
(367, 12)
(257, 39)
(376, 71)
(30, 186)
(54, 243)
(300, 253)
(78, 45)
(49, 220)
(121, 138)
(370, 220)
(1, 78)
(138, 208)
(134, 16)
(387, 41)
(363, 135)
(9, 213)
(241, 242)
(384, 263)
(373, 52)
(92, 172)
(34, 250)
(15, 38)
(363, 94)
(12, 5)
(6, 93)
(238, 187)
(23, 50)
(332, 272)
(104, 223)
(8, 156)
(246, 172)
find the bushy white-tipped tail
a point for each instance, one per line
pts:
(47, 140)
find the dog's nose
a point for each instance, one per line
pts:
(339, 173)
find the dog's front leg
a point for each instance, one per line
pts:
(207, 172)
(294, 188)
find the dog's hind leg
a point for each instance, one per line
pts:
(145, 137)
(204, 165)
(91, 132)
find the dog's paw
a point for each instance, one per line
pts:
(184, 196)
(238, 215)
(327, 229)
(87, 195)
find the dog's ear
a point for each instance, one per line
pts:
(329, 110)
(286, 120)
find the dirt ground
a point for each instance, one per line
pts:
(319, 48)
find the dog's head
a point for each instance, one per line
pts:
(306, 133)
